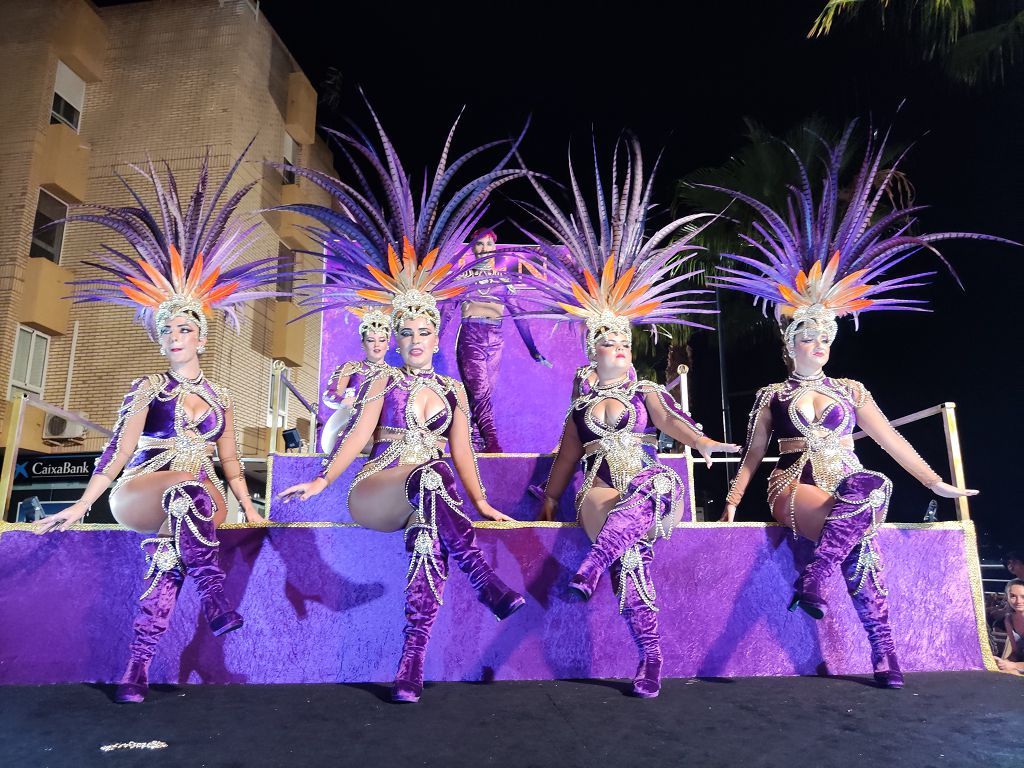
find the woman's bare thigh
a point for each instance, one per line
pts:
(379, 501)
(138, 504)
(596, 506)
(811, 508)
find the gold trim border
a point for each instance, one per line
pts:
(948, 525)
(977, 592)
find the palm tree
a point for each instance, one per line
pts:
(973, 43)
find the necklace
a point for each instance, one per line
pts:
(813, 377)
(613, 384)
(186, 380)
(418, 371)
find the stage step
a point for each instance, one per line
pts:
(323, 603)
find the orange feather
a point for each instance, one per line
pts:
(138, 297)
(195, 274)
(177, 270)
(429, 259)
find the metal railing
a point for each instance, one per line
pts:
(278, 380)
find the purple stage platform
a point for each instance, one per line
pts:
(323, 603)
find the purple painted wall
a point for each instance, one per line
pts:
(530, 399)
(323, 604)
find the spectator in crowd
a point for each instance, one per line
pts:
(1013, 654)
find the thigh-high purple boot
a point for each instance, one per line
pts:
(631, 575)
(431, 491)
(428, 571)
(191, 509)
(862, 570)
(156, 605)
(648, 495)
(861, 503)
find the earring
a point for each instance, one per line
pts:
(163, 351)
(436, 350)
(200, 350)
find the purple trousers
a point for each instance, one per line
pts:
(478, 353)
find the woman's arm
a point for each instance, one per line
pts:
(759, 433)
(369, 403)
(231, 464)
(337, 384)
(464, 458)
(570, 451)
(1009, 649)
(131, 421)
(874, 423)
(668, 416)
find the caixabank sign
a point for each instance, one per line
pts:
(54, 469)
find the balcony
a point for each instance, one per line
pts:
(288, 342)
(80, 39)
(43, 303)
(300, 116)
(62, 162)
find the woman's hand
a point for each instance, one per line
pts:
(706, 446)
(728, 513)
(947, 491)
(1005, 665)
(302, 491)
(486, 510)
(252, 517)
(548, 509)
(62, 520)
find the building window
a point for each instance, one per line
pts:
(28, 372)
(68, 97)
(289, 152)
(282, 400)
(286, 271)
(48, 237)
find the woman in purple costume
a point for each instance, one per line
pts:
(814, 270)
(410, 413)
(628, 499)
(348, 378)
(158, 462)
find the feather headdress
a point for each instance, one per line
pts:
(187, 260)
(816, 262)
(608, 273)
(381, 247)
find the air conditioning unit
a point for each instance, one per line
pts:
(59, 428)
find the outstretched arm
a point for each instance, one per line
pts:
(871, 419)
(570, 451)
(464, 458)
(670, 418)
(759, 433)
(131, 421)
(515, 310)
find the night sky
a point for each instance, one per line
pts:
(684, 80)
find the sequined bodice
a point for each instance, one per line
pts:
(838, 418)
(168, 416)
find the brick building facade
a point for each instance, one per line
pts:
(89, 91)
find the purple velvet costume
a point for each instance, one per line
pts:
(624, 454)
(478, 355)
(818, 451)
(438, 527)
(170, 440)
